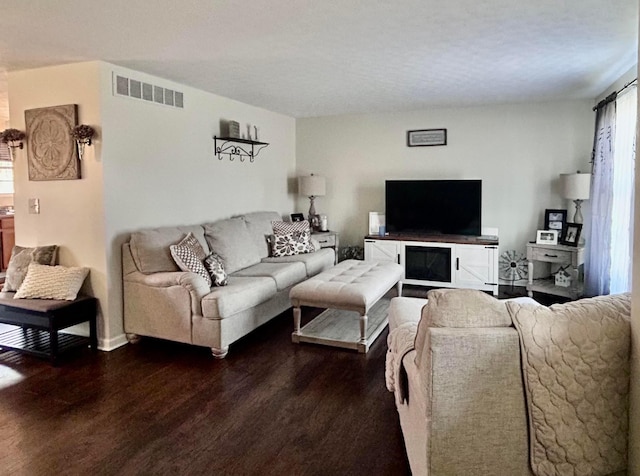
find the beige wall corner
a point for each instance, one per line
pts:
(71, 211)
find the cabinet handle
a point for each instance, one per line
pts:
(550, 256)
(398, 258)
(457, 264)
(324, 241)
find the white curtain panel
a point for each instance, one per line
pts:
(598, 252)
(623, 192)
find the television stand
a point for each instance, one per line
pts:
(445, 261)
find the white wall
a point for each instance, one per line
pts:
(71, 210)
(160, 169)
(517, 150)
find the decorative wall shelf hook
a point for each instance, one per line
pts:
(234, 147)
(14, 140)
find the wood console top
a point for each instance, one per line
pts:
(459, 239)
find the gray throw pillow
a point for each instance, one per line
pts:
(19, 263)
(189, 256)
(214, 265)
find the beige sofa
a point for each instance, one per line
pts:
(468, 404)
(162, 301)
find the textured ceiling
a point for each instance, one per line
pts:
(320, 57)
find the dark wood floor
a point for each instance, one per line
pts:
(271, 407)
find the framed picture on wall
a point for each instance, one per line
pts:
(555, 219)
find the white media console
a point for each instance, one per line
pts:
(448, 261)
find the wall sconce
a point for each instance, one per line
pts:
(14, 140)
(82, 135)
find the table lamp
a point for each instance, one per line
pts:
(576, 187)
(311, 186)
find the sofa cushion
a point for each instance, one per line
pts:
(189, 256)
(284, 274)
(240, 294)
(259, 226)
(314, 262)
(232, 240)
(575, 360)
(150, 248)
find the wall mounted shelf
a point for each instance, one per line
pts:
(233, 147)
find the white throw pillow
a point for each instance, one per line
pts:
(51, 282)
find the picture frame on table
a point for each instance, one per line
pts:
(297, 217)
(547, 237)
(555, 219)
(571, 234)
(376, 220)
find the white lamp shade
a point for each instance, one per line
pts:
(312, 186)
(575, 186)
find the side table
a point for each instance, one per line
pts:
(327, 239)
(556, 254)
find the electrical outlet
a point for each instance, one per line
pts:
(34, 206)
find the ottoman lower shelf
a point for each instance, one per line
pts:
(339, 328)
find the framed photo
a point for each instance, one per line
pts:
(555, 220)
(571, 234)
(297, 217)
(426, 137)
(547, 237)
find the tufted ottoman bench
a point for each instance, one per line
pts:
(349, 286)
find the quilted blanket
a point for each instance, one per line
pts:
(575, 360)
(399, 342)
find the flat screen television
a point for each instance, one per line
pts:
(433, 207)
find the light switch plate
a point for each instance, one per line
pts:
(34, 206)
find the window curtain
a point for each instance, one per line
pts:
(598, 257)
(608, 264)
(623, 192)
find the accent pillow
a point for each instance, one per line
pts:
(51, 282)
(215, 267)
(19, 263)
(189, 255)
(291, 244)
(286, 227)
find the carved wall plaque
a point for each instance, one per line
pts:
(51, 150)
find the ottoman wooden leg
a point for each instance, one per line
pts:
(362, 345)
(399, 288)
(295, 337)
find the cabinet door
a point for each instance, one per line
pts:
(475, 266)
(8, 240)
(380, 250)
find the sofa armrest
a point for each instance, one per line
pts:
(476, 402)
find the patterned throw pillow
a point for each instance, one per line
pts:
(215, 267)
(51, 282)
(286, 227)
(291, 244)
(291, 238)
(19, 263)
(189, 255)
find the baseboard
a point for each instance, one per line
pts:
(113, 343)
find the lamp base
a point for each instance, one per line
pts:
(577, 218)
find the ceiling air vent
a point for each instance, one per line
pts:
(123, 86)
